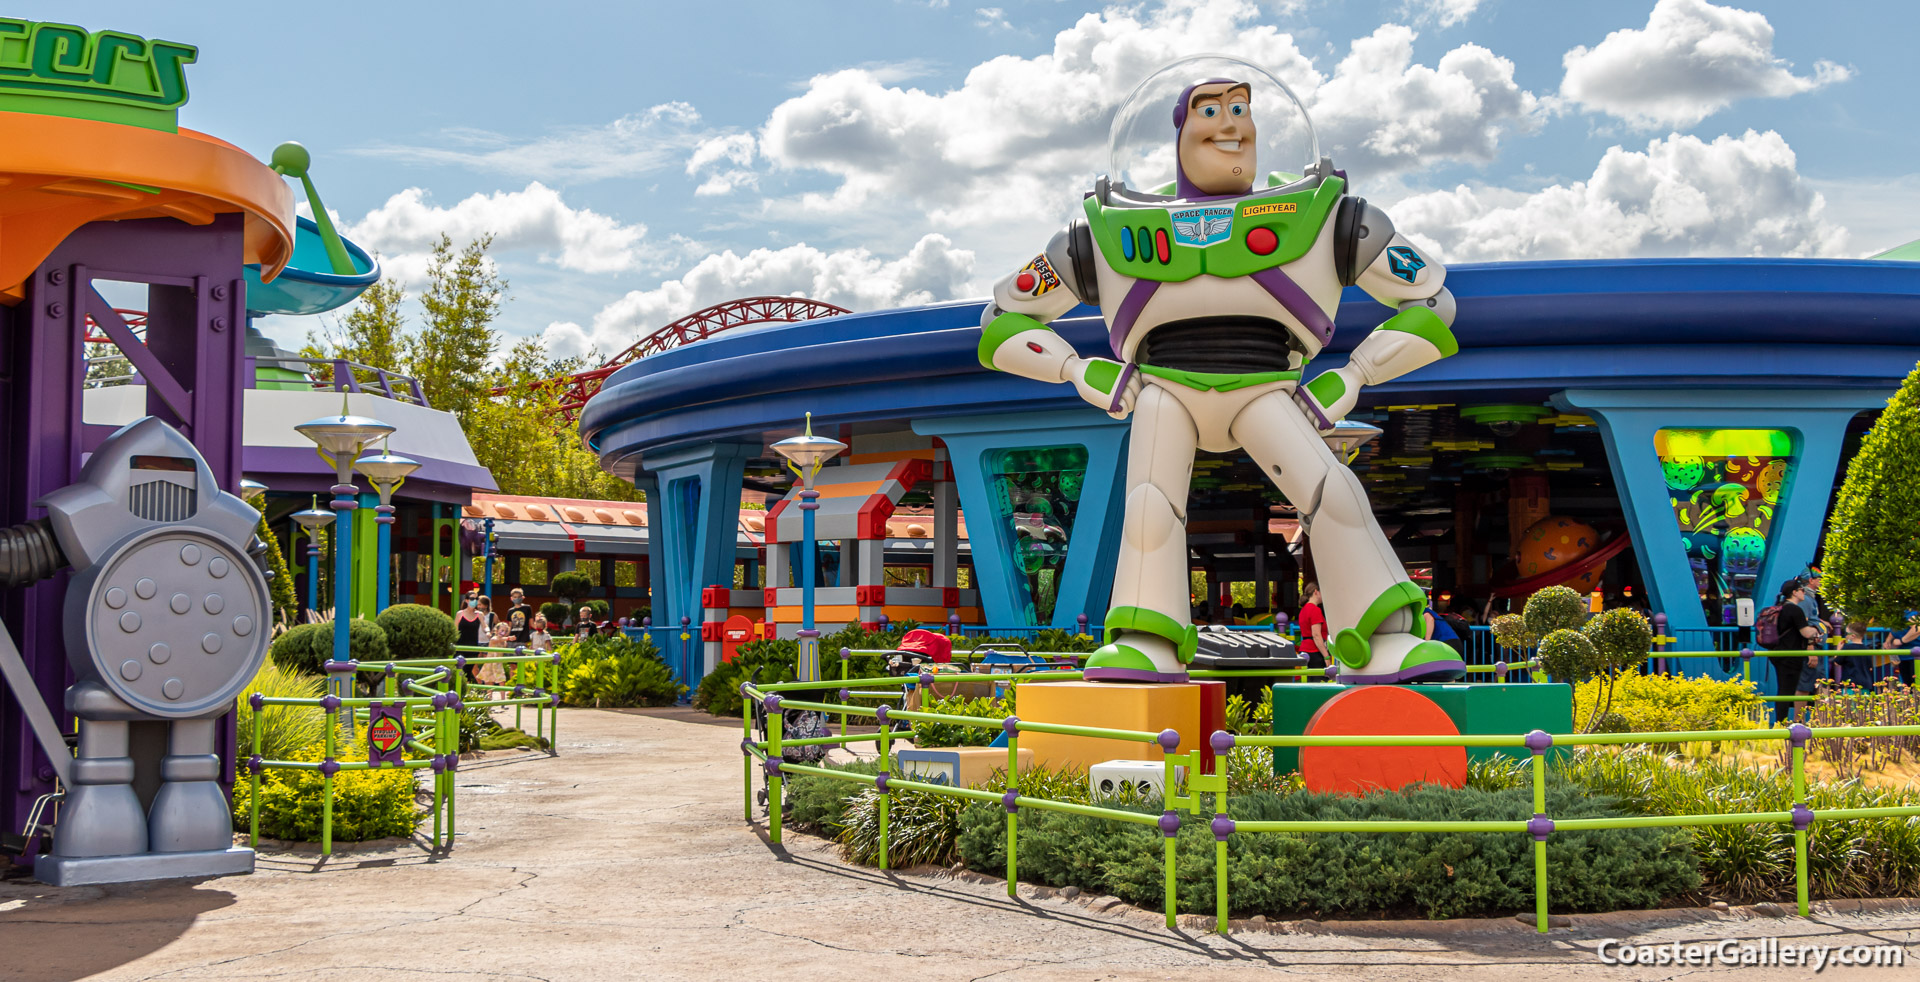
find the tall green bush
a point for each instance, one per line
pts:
(417, 631)
(284, 730)
(1568, 656)
(1872, 566)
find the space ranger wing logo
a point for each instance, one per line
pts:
(1202, 226)
(1405, 263)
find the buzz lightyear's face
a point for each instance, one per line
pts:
(1217, 139)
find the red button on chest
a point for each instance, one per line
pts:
(1262, 241)
(1160, 245)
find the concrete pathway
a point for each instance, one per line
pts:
(626, 858)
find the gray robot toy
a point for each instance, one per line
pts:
(166, 619)
(1217, 289)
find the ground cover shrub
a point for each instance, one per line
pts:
(1664, 703)
(1854, 858)
(616, 671)
(1885, 704)
(370, 804)
(928, 735)
(1438, 874)
(719, 691)
(811, 803)
(283, 729)
(417, 631)
(923, 827)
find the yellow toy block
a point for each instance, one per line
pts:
(1111, 705)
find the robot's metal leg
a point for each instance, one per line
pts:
(101, 815)
(189, 812)
(1149, 628)
(103, 835)
(1372, 608)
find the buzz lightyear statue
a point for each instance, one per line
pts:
(1217, 289)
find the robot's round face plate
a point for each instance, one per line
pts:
(173, 622)
(1142, 145)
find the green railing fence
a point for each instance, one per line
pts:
(1208, 793)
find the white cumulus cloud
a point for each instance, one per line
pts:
(535, 219)
(1446, 13)
(933, 269)
(632, 145)
(1682, 196)
(1010, 149)
(1692, 60)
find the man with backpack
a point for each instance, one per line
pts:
(1784, 627)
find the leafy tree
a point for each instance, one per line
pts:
(374, 332)
(1568, 656)
(1872, 555)
(449, 355)
(281, 585)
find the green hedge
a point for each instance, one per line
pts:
(615, 671)
(1342, 874)
(418, 631)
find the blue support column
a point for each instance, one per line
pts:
(693, 528)
(1093, 544)
(1817, 422)
(382, 588)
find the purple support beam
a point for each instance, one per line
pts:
(195, 333)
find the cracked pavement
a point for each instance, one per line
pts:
(626, 858)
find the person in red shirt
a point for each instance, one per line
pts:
(1313, 629)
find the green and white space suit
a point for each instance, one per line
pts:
(1214, 306)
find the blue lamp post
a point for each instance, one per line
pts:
(313, 520)
(386, 472)
(339, 441)
(805, 455)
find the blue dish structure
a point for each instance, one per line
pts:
(307, 285)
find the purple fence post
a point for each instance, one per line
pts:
(1660, 631)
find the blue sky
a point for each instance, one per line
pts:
(639, 161)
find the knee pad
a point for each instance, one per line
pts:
(1151, 519)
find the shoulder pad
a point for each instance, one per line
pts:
(1071, 252)
(1361, 233)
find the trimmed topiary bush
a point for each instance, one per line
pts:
(417, 631)
(1553, 609)
(299, 649)
(1622, 637)
(1567, 656)
(572, 585)
(556, 614)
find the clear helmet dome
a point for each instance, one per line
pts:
(1143, 146)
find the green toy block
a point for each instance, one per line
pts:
(1474, 707)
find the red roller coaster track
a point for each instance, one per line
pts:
(701, 324)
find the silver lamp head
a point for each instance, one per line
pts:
(341, 438)
(807, 453)
(386, 472)
(1347, 437)
(313, 519)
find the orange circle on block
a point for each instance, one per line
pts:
(1380, 710)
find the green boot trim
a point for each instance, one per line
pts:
(1429, 651)
(1351, 644)
(1185, 637)
(1113, 655)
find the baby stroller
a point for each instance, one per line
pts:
(795, 724)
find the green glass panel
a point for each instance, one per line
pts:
(1037, 495)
